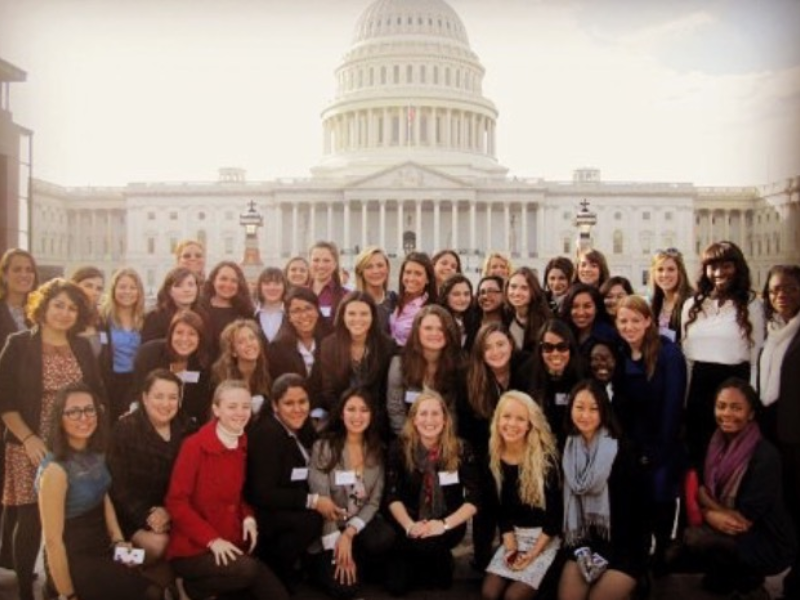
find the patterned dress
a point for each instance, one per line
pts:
(59, 368)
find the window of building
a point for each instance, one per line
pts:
(619, 242)
(447, 76)
(422, 74)
(423, 129)
(228, 245)
(435, 75)
(668, 216)
(201, 216)
(409, 74)
(618, 216)
(151, 245)
(396, 74)
(646, 215)
(565, 215)
(173, 215)
(645, 276)
(151, 216)
(395, 130)
(383, 75)
(566, 246)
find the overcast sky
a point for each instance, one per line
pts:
(704, 91)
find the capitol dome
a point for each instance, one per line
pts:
(409, 89)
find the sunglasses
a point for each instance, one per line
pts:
(669, 252)
(549, 348)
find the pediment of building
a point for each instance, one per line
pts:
(409, 175)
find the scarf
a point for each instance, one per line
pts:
(431, 498)
(780, 336)
(586, 472)
(727, 462)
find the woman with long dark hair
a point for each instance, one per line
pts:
(34, 365)
(417, 289)
(225, 298)
(558, 275)
(347, 467)
(357, 354)
(431, 359)
(446, 263)
(326, 282)
(584, 311)
(78, 518)
(605, 533)
(526, 307)
(556, 367)
(456, 297)
(180, 290)
(723, 331)
(91, 282)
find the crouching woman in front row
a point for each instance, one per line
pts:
(432, 490)
(78, 520)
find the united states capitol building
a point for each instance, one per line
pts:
(410, 162)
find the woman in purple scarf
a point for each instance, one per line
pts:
(746, 533)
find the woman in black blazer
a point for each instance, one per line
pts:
(779, 380)
(357, 354)
(184, 352)
(34, 365)
(289, 516)
(297, 347)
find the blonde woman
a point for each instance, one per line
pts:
(372, 276)
(496, 264)
(122, 320)
(524, 462)
(432, 490)
(669, 289)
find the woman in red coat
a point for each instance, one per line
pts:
(213, 529)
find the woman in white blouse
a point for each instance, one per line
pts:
(723, 331)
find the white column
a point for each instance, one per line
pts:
(403, 124)
(432, 127)
(488, 247)
(399, 228)
(454, 223)
(727, 215)
(523, 215)
(448, 139)
(436, 225)
(539, 242)
(364, 217)
(346, 235)
(387, 127)
(473, 222)
(507, 226)
(295, 224)
(742, 239)
(279, 229)
(417, 124)
(330, 221)
(418, 227)
(709, 228)
(382, 219)
(312, 222)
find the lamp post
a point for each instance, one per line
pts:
(584, 221)
(251, 264)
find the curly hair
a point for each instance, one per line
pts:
(449, 445)
(241, 302)
(5, 265)
(739, 292)
(39, 301)
(487, 262)
(541, 452)
(227, 365)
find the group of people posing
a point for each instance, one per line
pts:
(241, 440)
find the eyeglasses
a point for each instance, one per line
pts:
(489, 292)
(669, 252)
(549, 348)
(75, 414)
(785, 289)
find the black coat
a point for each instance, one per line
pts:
(21, 385)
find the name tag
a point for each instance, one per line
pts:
(325, 310)
(189, 376)
(104, 338)
(562, 399)
(668, 333)
(258, 402)
(448, 477)
(344, 477)
(300, 474)
(411, 395)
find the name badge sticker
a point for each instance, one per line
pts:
(189, 376)
(448, 477)
(345, 478)
(325, 310)
(104, 338)
(258, 402)
(411, 395)
(668, 333)
(562, 399)
(300, 474)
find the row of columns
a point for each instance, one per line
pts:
(373, 128)
(707, 225)
(515, 237)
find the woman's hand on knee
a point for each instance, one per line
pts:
(224, 551)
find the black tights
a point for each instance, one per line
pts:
(25, 533)
(499, 588)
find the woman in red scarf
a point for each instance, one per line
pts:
(746, 533)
